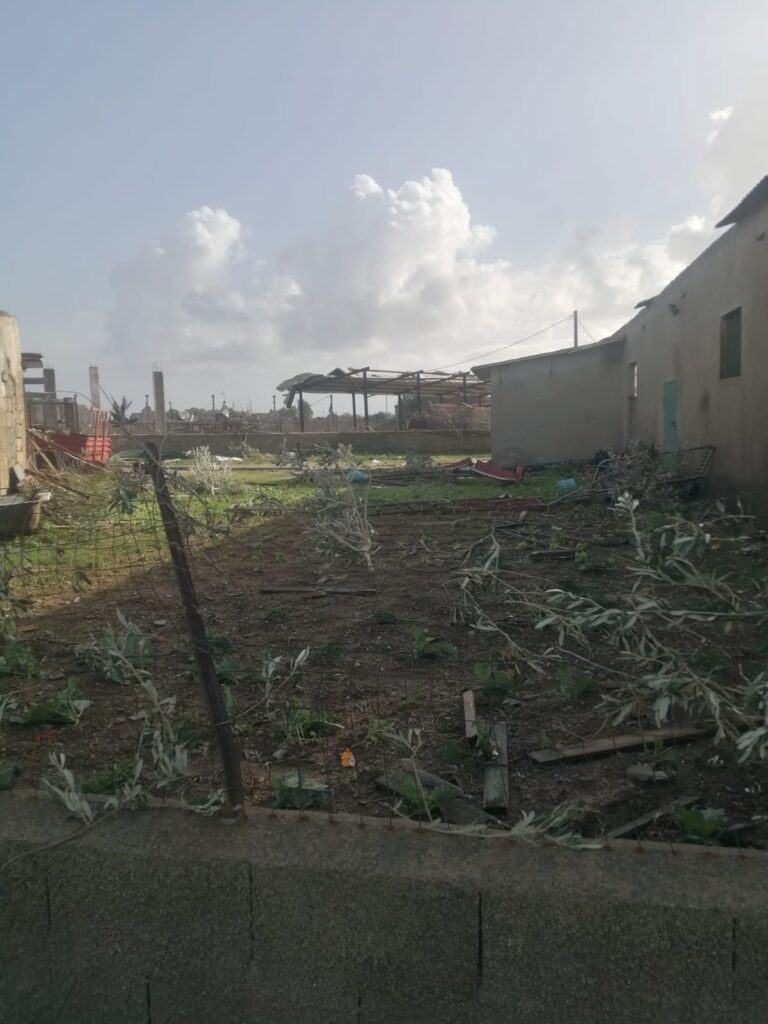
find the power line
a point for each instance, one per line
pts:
(482, 355)
(582, 324)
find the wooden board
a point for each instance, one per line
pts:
(457, 811)
(470, 716)
(563, 553)
(302, 589)
(634, 826)
(614, 744)
(496, 773)
(393, 779)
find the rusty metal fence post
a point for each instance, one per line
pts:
(201, 647)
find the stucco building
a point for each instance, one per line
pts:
(12, 419)
(690, 369)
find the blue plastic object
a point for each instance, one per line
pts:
(357, 476)
(566, 484)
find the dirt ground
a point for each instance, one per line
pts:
(362, 671)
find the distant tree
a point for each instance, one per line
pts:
(118, 415)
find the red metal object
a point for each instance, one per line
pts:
(98, 449)
(487, 469)
(95, 446)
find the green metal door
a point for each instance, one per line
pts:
(670, 415)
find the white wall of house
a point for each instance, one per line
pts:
(678, 338)
(571, 403)
(562, 406)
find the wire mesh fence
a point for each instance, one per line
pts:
(496, 662)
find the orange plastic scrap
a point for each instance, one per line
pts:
(347, 759)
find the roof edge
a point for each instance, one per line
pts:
(571, 350)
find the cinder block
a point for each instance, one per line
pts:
(23, 928)
(52, 991)
(142, 911)
(289, 996)
(350, 935)
(119, 920)
(431, 1008)
(556, 961)
(749, 953)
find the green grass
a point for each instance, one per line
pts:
(87, 540)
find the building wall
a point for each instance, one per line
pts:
(13, 444)
(570, 404)
(564, 406)
(678, 338)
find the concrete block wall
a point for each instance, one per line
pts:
(431, 442)
(160, 916)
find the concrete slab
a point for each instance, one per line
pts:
(562, 960)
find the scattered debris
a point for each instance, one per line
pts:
(646, 773)
(470, 716)
(7, 771)
(320, 591)
(455, 809)
(633, 827)
(614, 744)
(496, 770)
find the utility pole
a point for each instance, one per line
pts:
(93, 378)
(575, 328)
(159, 392)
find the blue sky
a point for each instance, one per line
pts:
(577, 132)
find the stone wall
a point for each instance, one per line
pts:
(160, 916)
(431, 442)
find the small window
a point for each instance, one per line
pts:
(633, 380)
(730, 344)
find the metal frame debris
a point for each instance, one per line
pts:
(462, 387)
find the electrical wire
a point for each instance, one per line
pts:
(482, 355)
(591, 335)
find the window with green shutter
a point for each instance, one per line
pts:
(730, 344)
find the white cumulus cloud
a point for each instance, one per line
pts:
(405, 278)
(404, 275)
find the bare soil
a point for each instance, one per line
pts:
(375, 676)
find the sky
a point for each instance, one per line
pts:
(240, 191)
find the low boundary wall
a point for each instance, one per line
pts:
(159, 916)
(429, 442)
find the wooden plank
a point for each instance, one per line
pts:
(628, 830)
(394, 778)
(496, 772)
(564, 553)
(614, 744)
(463, 812)
(456, 811)
(470, 716)
(317, 590)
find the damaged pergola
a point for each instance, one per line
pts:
(463, 387)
